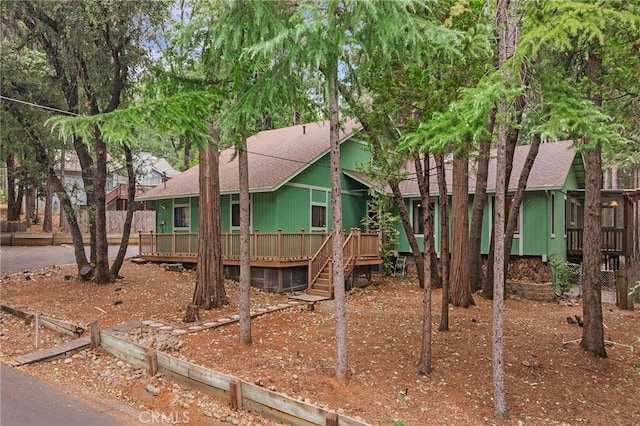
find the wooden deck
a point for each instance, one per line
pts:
(272, 250)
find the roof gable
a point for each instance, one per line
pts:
(275, 157)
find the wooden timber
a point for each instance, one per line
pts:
(56, 352)
(237, 392)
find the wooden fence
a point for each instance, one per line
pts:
(143, 221)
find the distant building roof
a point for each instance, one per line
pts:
(275, 157)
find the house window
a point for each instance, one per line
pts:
(573, 213)
(318, 216)
(417, 217)
(553, 215)
(181, 217)
(235, 213)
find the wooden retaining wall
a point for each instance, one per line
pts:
(239, 393)
(541, 292)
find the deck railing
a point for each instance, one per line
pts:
(277, 246)
(265, 247)
(613, 240)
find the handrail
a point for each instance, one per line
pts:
(316, 260)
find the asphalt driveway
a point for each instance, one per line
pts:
(18, 259)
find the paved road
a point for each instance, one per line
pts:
(27, 400)
(18, 259)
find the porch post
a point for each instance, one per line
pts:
(255, 246)
(279, 244)
(303, 252)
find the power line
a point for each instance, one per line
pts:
(407, 178)
(6, 98)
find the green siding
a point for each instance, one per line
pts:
(318, 196)
(353, 154)
(317, 174)
(557, 242)
(293, 211)
(164, 216)
(534, 229)
(264, 212)
(354, 208)
(195, 214)
(225, 212)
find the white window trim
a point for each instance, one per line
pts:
(173, 218)
(326, 218)
(553, 223)
(564, 216)
(237, 202)
(413, 214)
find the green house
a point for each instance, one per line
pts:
(548, 211)
(290, 209)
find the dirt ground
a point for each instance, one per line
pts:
(548, 381)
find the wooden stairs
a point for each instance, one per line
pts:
(321, 282)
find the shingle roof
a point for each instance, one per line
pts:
(549, 171)
(275, 156)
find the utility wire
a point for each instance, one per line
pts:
(6, 98)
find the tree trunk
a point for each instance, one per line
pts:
(28, 205)
(209, 290)
(103, 275)
(126, 230)
(88, 173)
(14, 198)
(444, 241)
(422, 173)
(244, 307)
(460, 286)
(593, 331)
(336, 229)
(187, 154)
(65, 205)
(514, 212)
(47, 222)
(408, 231)
(507, 33)
(499, 393)
(72, 222)
(477, 211)
(512, 139)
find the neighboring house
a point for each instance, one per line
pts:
(150, 172)
(290, 210)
